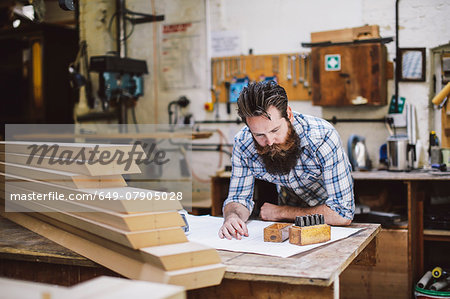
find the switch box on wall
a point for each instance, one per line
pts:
(348, 75)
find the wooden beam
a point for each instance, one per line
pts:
(63, 149)
(136, 240)
(99, 287)
(78, 166)
(126, 222)
(190, 278)
(130, 199)
(167, 257)
(63, 178)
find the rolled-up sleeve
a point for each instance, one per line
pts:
(337, 176)
(242, 179)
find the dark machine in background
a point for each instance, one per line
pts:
(34, 82)
(121, 80)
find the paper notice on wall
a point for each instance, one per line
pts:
(225, 43)
(181, 47)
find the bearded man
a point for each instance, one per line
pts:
(301, 154)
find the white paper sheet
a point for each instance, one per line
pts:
(204, 230)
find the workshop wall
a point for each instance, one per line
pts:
(267, 27)
(282, 25)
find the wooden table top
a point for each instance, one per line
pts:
(414, 175)
(19, 243)
(320, 266)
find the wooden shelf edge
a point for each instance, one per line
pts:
(436, 235)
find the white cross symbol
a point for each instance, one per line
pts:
(333, 62)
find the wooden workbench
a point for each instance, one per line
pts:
(26, 255)
(418, 186)
(314, 274)
(410, 188)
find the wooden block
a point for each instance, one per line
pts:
(347, 34)
(277, 232)
(309, 234)
(181, 255)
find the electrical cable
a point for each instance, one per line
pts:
(133, 114)
(127, 36)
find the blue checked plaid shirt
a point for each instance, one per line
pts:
(322, 174)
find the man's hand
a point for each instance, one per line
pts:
(271, 212)
(233, 226)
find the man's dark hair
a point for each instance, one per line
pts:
(257, 97)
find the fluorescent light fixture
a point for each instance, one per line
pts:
(26, 11)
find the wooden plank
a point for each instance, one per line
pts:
(136, 239)
(99, 287)
(167, 257)
(120, 136)
(91, 150)
(347, 34)
(416, 198)
(113, 287)
(63, 178)
(78, 166)
(141, 200)
(182, 255)
(191, 278)
(230, 288)
(126, 222)
(388, 278)
(384, 175)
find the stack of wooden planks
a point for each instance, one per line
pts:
(99, 287)
(122, 228)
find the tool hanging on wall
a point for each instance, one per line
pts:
(306, 71)
(275, 64)
(258, 68)
(294, 66)
(301, 78)
(288, 72)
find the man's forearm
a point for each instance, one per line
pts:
(331, 217)
(235, 208)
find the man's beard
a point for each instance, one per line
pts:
(281, 158)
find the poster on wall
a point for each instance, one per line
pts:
(225, 43)
(181, 45)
